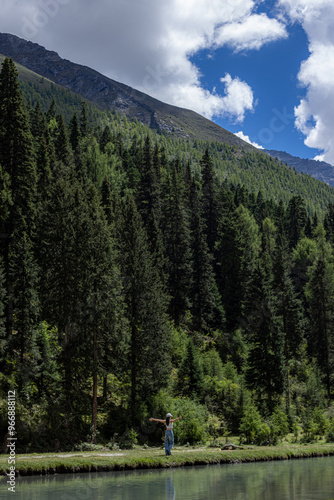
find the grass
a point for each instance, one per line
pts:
(139, 458)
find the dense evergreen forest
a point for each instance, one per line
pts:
(137, 278)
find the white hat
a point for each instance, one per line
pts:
(169, 415)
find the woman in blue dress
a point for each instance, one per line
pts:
(169, 435)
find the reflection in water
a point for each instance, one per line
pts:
(170, 490)
(309, 479)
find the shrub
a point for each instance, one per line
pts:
(314, 424)
(330, 433)
(263, 434)
(250, 424)
(279, 425)
(193, 427)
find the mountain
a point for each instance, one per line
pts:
(318, 169)
(109, 94)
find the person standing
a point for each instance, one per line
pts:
(169, 434)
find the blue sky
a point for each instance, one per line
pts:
(263, 69)
(272, 74)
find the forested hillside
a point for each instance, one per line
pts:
(140, 274)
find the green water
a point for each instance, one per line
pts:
(307, 479)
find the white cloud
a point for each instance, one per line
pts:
(246, 138)
(147, 44)
(238, 97)
(315, 113)
(250, 33)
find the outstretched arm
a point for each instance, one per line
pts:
(175, 419)
(157, 420)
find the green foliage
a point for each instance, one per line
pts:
(140, 274)
(279, 425)
(251, 425)
(330, 433)
(193, 426)
(314, 424)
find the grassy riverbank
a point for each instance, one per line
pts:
(52, 463)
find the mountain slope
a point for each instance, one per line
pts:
(109, 94)
(318, 169)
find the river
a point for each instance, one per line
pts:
(303, 479)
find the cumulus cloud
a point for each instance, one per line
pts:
(246, 138)
(238, 97)
(148, 44)
(315, 112)
(250, 33)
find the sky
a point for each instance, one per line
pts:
(262, 69)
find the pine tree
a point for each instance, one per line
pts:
(207, 311)
(190, 374)
(297, 220)
(105, 138)
(290, 310)
(62, 143)
(146, 312)
(62, 243)
(17, 159)
(83, 120)
(74, 132)
(266, 363)
(149, 189)
(329, 223)
(176, 233)
(237, 253)
(101, 296)
(320, 295)
(210, 207)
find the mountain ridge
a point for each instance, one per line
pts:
(318, 169)
(110, 94)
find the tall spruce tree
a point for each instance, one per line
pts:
(177, 242)
(101, 324)
(210, 207)
(320, 295)
(266, 363)
(149, 359)
(297, 220)
(17, 159)
(207, 310)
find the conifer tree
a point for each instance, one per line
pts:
(329, 223)
(266, 363)
(17, 159)
(176, 234)
(237, 254)
(149, 359)
(51, 113)
(74, 132)
(83, 120)
(297, 220)
(207, 311)
(149, 188)
(320, 295)
(209, 201)
(101, 324)
(105, 138)
(62, 143)
(62, 244)
(190, 374)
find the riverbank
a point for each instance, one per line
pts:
(152, 458)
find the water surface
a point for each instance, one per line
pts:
(303, 479)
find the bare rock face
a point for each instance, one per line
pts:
(109, 94)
